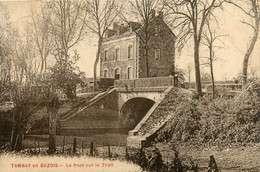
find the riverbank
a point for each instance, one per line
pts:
(231, 158)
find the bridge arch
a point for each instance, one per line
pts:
(133, 110)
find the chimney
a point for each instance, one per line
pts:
(160, 14)
(153, 13)
(116, 27)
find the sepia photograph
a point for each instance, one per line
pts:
(129, 85)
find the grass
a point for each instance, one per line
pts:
(236, 158)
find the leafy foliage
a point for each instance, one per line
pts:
(65, 75)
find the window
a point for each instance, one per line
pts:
(130, 72)
(130, 52)
(117, 73)
(117, 54)
(106, 56)
(157, 54)
(156, 30)
(106, 73)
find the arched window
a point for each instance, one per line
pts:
(117, 54)
(106, 55)
(117, 73)
(157, 54)
(130, 72)
(106, 73)
(130, 51)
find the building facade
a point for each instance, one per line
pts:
(123, 52)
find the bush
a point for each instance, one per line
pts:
(183, 126)
(149, 159)
(40, 126)
(223, 120)
(178, 166)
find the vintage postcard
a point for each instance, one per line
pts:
(129, 85)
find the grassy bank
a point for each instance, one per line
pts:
(233, 158)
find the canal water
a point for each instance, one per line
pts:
(99, 139)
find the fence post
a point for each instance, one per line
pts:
(109, 152)
(126, 153)
(63, 144)
(212, 164)
(39, 146)
(74, 146)
(91, 148)
(81, 147)
(34, 143)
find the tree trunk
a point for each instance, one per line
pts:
(96, 63)
(42, 65)
(249, 52)
(212, 72)
(52, 110)
(18, 142)
(197, 67)
(189, 76)
(13, 134)
(147, 60)
(14, 137)
(15, 140)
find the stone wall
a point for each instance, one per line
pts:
(167, 107)
(161, 38)
(157, 116)
(123, 62)
(164, 40)
(146, 82)
(100, 115)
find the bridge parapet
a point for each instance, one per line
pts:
(145, 82)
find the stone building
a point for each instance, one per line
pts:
(123, 50)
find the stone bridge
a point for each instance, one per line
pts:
(118, 110)
(149, 94)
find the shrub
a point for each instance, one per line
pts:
(40, 126)
(222, 120)
(183, 126)
(149, 159)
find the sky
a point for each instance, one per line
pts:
(231, 55)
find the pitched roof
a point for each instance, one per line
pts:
(121, 30)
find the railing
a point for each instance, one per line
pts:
(146, 82)
(228, 86)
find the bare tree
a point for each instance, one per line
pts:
(66, 28)
(210, 38)
(101, 15)
(18, 72)
(5, 62)
(38, 32)
(21, 58)
(251, 8)
(144, 11)
(190, 16)
(189, 70)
